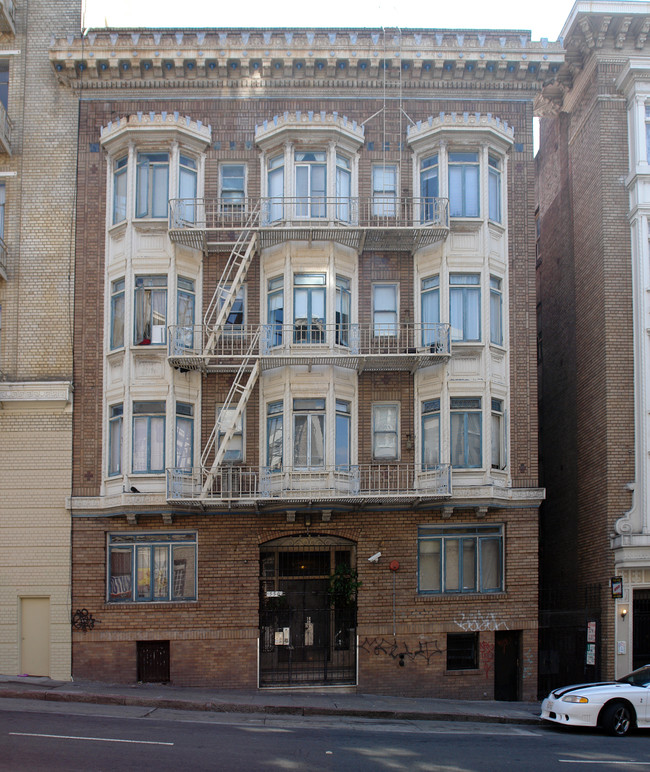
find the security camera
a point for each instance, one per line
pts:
(374, 558)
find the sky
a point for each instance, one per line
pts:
(543, 19)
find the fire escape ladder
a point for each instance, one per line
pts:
(231, 280)
(238, 396)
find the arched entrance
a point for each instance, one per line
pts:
(307, 628)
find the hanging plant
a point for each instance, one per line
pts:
(344, 583)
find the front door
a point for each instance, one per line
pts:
(641, 628)
(307, 634)
(35, 636)
(507, 658)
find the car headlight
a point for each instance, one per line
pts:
(574, 698)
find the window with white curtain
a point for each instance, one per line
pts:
(311, 183)
(464, 188)
(274, 436)
(343, 304)
(150, 310)
(465, 306)
(275, 309)
(384, 190)
(115, 426)
(119, 189)
(152, 185)
(185, 307)
(117, 314)
(232, 182)
(184, 436)
(430, 305)
(308, 432)
(494, 188)
(385, 431)
(343, 187)
(466, 432)
(430, 433)
(496, 311)
(226, 418)
(275, 179)
(309, 293)
(149, 437)
(384, 309)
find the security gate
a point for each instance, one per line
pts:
(307, 632)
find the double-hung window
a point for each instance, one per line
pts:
(429, 188)
(274, 436)
(430, 300)
(496, 311)
(149, 437)
(343, 302)
(152, 185)
(187, 186)
(309, 308)
(185, 307)
(232, 181)
(343, 187)
(384, 309)
(311, 183)
(466, 432)
(275, 179)
(119, 189)
(308, 432)
(498, 435)
(343, 415)
(494, 188)
(150, 310)
(145, 568)
(464, 186)
(235, 319)
(115, 416)
(385, 432)
(226, 419)
(184, 436)
(430, 434)
(275, 309)
(384, 190)
(465, 306)
(117, 313)
(460, 559)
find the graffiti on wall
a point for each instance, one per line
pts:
(426, 650)
(475, 623)
(487, 658)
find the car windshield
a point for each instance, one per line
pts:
(640, 677)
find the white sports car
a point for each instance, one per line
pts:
(615, 706)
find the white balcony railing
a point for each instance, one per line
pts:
(233, 483)
(311, 340)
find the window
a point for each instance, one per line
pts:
(494, 188)
(144, 568)
(343, 187)
(274, 436)
(117, 313)
(498, 437)
(430, 434)
(343, 412)
(647, 131)
(119, 189)
(385, 431)
(430, 300)
(275, 172)
(152, 185)
(150, 310)
(463, 184)
(465, 306)
(185, 306)
(308, 432)
(115, 413)
(4, 83)
(149, 437)
(3, 197)
(343, 301)
(460, 559)
(233, 186)
(311, 183)
(496, 311)
(384, 191)
(184, 436)
(462, 651)
(309, 308)
(466, 437)
(187, 187)
(235, 319)
(226, 418)
(384, 309)
(275, 312)
(428, 187)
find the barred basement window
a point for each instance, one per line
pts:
(462, 651)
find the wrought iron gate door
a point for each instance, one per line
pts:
(306, 636)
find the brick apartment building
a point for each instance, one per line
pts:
(593, 280)
(305, 418)
(38, 128)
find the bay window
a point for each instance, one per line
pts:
(145, 568)
(311, 183)
(430, 434)
(497, 432)
(275, 178)
(343, 302)
(464, 188)
(465, 306)
(275, 309)
(466, 432)
(385, 432)
(460, 559)
(308, 432)
(496, 311)
(430, 305)
(309, 308)
(429, 187)
(115, 427)
(184, 436)
(150, 310)
(185, 307)
(274, 436)
(152, 185)
(119, 189)
(343, 187)
(494, 188)
(149, 437)
(117, 314)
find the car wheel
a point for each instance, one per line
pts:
(618, 719)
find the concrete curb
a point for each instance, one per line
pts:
(229, 707)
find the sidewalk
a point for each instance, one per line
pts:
(300, 702)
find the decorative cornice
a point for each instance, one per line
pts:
(156, 124)
(43, 394)
(304, 123)
(112, 58)
(473, 122)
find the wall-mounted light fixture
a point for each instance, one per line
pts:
(623, 611)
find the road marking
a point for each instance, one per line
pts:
(95, 739)
(591, 761)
